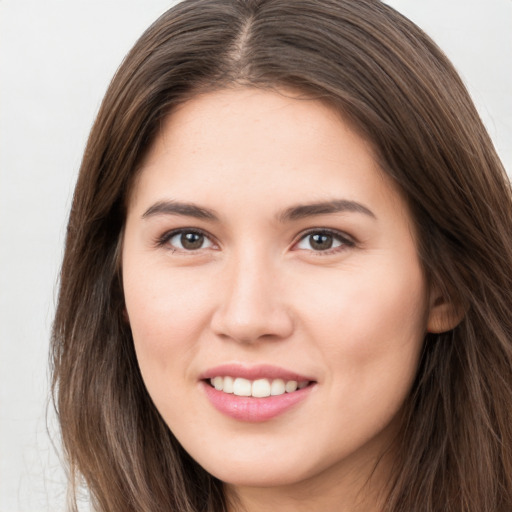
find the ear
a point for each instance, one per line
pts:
(444, 314)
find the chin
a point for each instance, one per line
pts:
(261, 471)
(241, 476)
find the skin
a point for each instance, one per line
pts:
(256, 291)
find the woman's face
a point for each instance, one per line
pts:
(266, 250)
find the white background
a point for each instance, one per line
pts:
(56, 59)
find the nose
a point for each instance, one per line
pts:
(251, 303)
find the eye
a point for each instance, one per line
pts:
(186, 240)
(323, 241)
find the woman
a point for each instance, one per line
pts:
(287, 272)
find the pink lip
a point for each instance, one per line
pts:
(252, 409)
(261, 371)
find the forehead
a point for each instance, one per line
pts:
(246, 142)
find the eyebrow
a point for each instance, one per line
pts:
(322, 208)
(297, 212)
(177, 208)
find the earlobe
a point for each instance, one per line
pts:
(444, 314)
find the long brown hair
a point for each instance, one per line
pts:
(394, 84)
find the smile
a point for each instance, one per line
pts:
(255, 393)
(259, 388)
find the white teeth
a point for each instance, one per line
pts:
(228, 385)
(278, 387)
(259, 388)
(218, 383)
(291, 386)
(242, 387)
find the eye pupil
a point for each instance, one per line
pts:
(192, 240)
(321, 241)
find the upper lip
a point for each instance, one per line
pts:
(253, 372)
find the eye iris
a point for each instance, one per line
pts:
(321, 241)
(192, 240)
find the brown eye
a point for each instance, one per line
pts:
(319, 241)
(189, 241)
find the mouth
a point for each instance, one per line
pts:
(255, 393)
(258, 388)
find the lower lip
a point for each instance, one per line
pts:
(254, 409)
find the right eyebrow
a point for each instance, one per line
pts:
(179, 208)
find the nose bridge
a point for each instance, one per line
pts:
(252, 305)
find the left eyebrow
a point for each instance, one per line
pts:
(335, 206)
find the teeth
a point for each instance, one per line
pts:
(228, 384)
(277, 387)
(259, 388)
(218, 383)
(242, 387)
(291, 386)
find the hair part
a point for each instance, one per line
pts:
(388, 79)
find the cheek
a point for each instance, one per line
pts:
(369, 330)
(369, 321)
(166, 321)
(167, 313)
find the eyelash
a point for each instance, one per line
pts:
(169, 235)
(344, 240)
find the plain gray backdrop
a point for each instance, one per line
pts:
(56, 60)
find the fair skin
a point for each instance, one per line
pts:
(223, 265)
